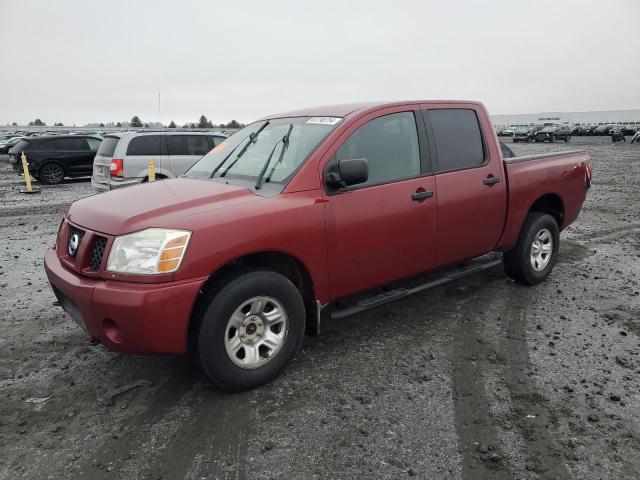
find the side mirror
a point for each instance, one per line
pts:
(347, 172)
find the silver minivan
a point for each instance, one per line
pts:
(123, 158)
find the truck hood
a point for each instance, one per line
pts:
(159, 204)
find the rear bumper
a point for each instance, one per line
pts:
(114, 183)
(126, 316)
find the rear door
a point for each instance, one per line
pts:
(380, 231)
(76, 155)
(140, 151)
(185, 150)
(471, 191)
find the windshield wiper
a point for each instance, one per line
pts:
(285, 145)
(252, 140)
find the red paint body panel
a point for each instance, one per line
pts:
(563, 176)
(348, 242)
(153, 318)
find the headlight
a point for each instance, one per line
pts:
(148, 252)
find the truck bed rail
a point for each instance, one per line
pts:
(526, 158)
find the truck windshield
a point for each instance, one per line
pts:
(243, 155)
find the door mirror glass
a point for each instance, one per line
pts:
(347, 172)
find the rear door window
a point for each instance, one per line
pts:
(506, 151)
(188, 145)
(108, 146)
(146, 145)
(458, 139)
(390, 145)
(73, 144)
(47, 145)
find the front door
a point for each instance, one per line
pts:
(384, 229)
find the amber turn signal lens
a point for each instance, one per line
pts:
(173, 254)
(168, 265)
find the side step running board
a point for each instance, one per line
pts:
(398, 293)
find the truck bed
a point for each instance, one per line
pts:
(560, 179)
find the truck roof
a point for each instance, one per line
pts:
(345, 109)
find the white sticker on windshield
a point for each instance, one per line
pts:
(324, 120)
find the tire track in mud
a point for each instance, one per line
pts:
(478, 439)
(533, 414)
(127, 454)
(477, 354)
(187, 430)
(212, 444)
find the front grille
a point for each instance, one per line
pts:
(75, 231)
(97, 252)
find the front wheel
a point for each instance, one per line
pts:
(251, 329)
(536, 253)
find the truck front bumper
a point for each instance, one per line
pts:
(126, 316)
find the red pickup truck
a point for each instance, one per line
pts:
(234, 261)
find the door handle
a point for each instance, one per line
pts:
(421, 195)
(491, 180)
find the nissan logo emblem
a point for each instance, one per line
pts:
(74, 242)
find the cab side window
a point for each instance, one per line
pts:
(390, 145)
(458, 139)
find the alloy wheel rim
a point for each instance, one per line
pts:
(256, 332)
(541, 250)
(51, 173)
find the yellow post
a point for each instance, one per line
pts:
(152, 171)
(27, 177)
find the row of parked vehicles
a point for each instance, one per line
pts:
(113, 161)
(551, 133)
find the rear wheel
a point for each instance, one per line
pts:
(252, 327)
(51, 174)
(536, 252)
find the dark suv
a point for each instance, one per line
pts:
(51, 159)
(522, 134)
(553, 133)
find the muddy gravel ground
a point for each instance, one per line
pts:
(479, 379)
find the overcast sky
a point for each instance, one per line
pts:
(78, 61)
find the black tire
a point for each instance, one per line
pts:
(51, 173)
(210, 342)
(517, 262)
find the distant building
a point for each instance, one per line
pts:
(624, 117)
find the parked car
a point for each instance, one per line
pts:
(617, 134)
(123, 158)
(505, 132)
(522, 134)
(53, 158)
(303, 215)
(553, 133)
(586, 130)
(629, 129)
(5, 145)
(602, 130)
